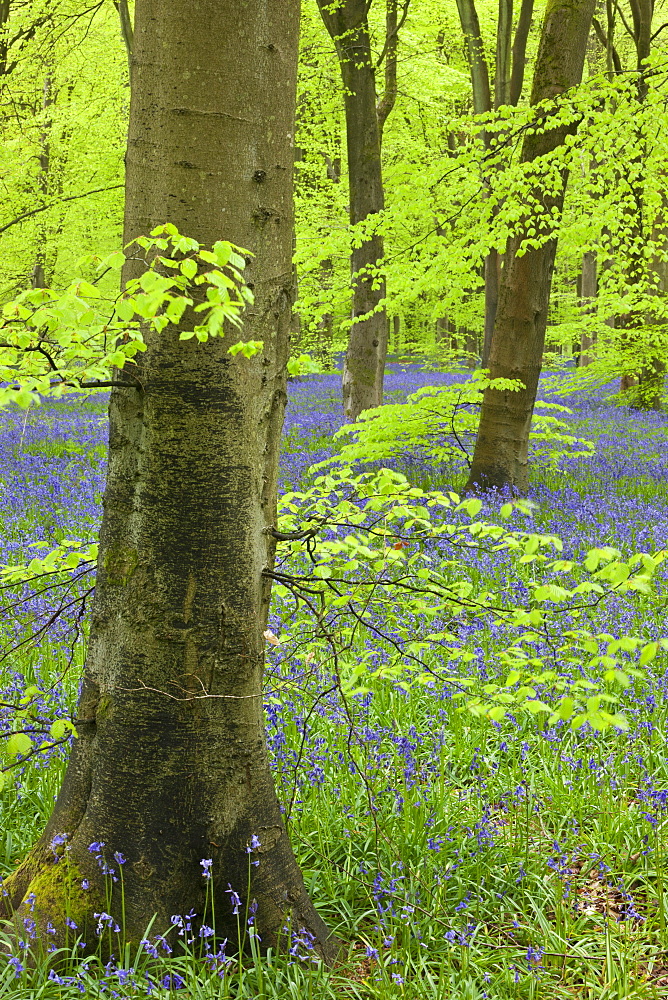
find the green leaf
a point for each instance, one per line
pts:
(248, 348)
(188, 268)
(125, 309)
(648, 653)
(18, 744)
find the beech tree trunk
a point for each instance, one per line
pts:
(364, 364)
(508, 82)
(501, 452)
(588, 292)
(171, 766)
(649, 377)
(127, 30)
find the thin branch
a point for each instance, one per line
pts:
(658, 30)
(45, 208)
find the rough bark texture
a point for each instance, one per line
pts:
(501, 451)
(171, 766)
(364, 365)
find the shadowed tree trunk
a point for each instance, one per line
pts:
(171, 766)
(501, 451)
(364, 364)
(4, 37)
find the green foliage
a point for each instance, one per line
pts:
(57, 342)
(375, 562)
(437, 421)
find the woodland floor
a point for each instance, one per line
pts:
(511, 859)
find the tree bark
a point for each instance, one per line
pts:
(501, 451)
(386, 103)
(519, 51)
(171, 765)
(588, 292)
(649, 377)
(504, 39)
(4, 37)
(127, 30)
(364, 364)
(475, 52)
(508, 81)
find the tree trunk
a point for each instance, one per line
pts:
(649, 376)
(508, 80)
(504, 39)
(364, 364)
(588, 291)
(38, 278)
(475, 52)
(171, 766)
(519, 50)
(127, 31)
(4, 40)
(508, 84)
(386, 103)
(653, 373)
(501, 451)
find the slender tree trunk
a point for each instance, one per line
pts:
(326, 324)
(508, 80)
(649, 376)
(171, 766)
(386, 103)
(504, 39)
(588, 292)
(475, 51)
(519, 51)
(4, 36)
(364, 364)
(38, 279)
(127, 30)
(501, 452)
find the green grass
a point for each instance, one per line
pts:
(476, 840)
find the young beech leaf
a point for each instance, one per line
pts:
(17, 744)
(188, 268)
(248, 348)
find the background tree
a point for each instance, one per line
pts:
(170, 766)
(508, 81)
(501, 451)
(347, 24)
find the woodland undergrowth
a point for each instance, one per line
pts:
(456, 852)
